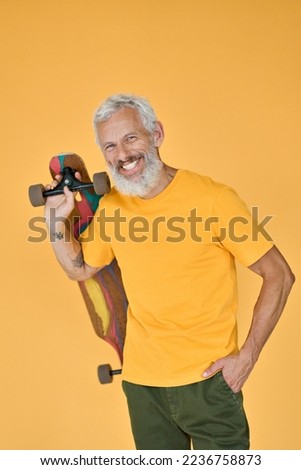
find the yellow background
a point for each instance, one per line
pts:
(224, 77)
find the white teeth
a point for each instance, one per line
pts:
(130, 166)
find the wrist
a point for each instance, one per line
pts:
(248, 356)
(58, 231)
(53, 220)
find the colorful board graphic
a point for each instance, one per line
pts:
(103, 294)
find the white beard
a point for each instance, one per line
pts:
(147, 180)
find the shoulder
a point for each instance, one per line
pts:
(202, 183)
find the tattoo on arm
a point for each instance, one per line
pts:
(78, 262)
(58, 235)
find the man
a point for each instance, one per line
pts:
(175, 235)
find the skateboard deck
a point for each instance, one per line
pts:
(103, 294)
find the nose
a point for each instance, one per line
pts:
(122, 152)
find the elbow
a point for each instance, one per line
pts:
(283, 279)
(290, 279)
(74, 277)
(286, 279)
(78, 276)
(83, 273)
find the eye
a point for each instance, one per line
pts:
(109, 147)
(131, 138)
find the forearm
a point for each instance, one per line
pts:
(68, 252)
(267, 311)
(67, 249)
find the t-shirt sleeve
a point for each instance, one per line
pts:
(95, 244)
(238, 229)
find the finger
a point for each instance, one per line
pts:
(51, 185)
(216, 366)
(70, 198)
(54, 183)
(70, 195)
(78, 175)
(67, 192)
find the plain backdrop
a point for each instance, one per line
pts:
(224, 78)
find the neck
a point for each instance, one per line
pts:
(166, 176)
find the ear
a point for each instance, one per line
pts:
(158, 134)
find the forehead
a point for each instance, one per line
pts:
(119, 124)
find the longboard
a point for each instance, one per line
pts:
(103, 294)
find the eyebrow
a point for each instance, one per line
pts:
(109, 142)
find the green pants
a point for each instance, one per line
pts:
(206, 415)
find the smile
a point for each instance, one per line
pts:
(130, 164)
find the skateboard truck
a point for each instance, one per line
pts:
(105, 373)
(69, 180)
(38, 194)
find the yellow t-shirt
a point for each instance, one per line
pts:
(176, 253)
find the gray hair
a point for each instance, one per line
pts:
(116, 102)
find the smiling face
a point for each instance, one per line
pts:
(131, 152)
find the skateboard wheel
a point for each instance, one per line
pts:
(104, 374)
(101, 183)
(35, 193)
